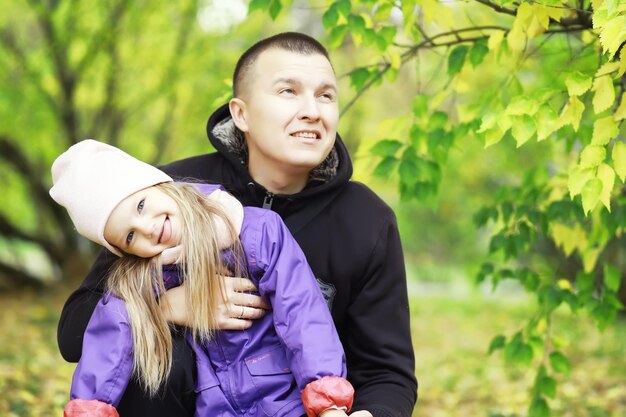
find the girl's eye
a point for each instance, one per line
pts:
(129, 237)
(327, 97)
(140, 205)
(288, 91)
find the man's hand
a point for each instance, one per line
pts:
(237, 313)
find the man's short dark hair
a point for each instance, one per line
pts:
(288, 41)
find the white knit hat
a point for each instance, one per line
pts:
(91, 178)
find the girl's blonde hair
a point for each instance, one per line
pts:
(139, 282)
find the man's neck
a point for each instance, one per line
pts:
(279, 182)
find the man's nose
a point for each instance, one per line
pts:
(309, 108)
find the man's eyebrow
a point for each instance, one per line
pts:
(293, 81)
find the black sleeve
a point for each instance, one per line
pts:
(381, 361)
(79, 307)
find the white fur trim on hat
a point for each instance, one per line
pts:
(91, 178)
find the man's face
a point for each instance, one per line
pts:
(289, 112)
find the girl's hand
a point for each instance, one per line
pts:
(333, 413)
(237, 313)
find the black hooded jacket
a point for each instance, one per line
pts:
(351, 241)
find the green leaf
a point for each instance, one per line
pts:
(330, 17)
(344, 7)
(539, 408)
(592, 156)
(275, 9)
(612, 277)
(547, 386)
(578, 83)
(385, 167)
(456, 59)
(359, 77)
(619, 159)
(409, 169)
(559, 363)
(258, 5)
(386, 147)
(383, 11)
(385, 37)
(438, 120)
(336, 36)
(604, 130)
(497, 342)
(356, 24)
(516, 351)
(477, 52)
(420, 105)
(591, 194)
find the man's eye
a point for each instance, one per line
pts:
(129, 237)
(140, 206)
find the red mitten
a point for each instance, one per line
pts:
(89, 408)
(327, 392)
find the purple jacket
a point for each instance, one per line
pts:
(255, 372)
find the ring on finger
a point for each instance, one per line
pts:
(242, 311)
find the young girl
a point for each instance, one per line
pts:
(288, 363)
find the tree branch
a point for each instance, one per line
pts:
(9, 230)
(18, 277)
(14, 157)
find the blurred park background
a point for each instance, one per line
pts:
(494, 130)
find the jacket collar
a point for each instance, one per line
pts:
(229, 141)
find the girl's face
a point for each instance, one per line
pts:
(144, 224)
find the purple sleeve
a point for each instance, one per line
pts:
(106, 363)
(301, 316)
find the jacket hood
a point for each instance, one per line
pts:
(229, 141)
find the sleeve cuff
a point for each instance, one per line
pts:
(326, 393)
(89, 408)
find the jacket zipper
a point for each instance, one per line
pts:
(268, 200)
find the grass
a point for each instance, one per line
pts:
(450, 334)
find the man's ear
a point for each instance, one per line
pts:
(237, 109)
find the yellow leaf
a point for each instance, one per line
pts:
(555, 13)
(523, 128)
(538, 22)
(607, 176)
(622, 65)
(619, 159)
(604, 130)
(516, 39)
(578, 83)
(590, 257)
(577, 178)
(571, 113)
(546, 121)
(620, 113)
(613, 34)
(568, 238)
(395, 58)
(369, 23)
(493, 136)
(604, 93)
(591, 194)
(564, 284)
(607, 69)
(495, 40)
(489, 120)
(592, 156)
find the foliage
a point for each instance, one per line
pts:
(455, 379)
(550, 71)
(139, 77)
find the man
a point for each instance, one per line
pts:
(277, 147)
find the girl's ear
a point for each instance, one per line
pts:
(237, 109)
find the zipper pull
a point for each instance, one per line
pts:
(268, 200)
